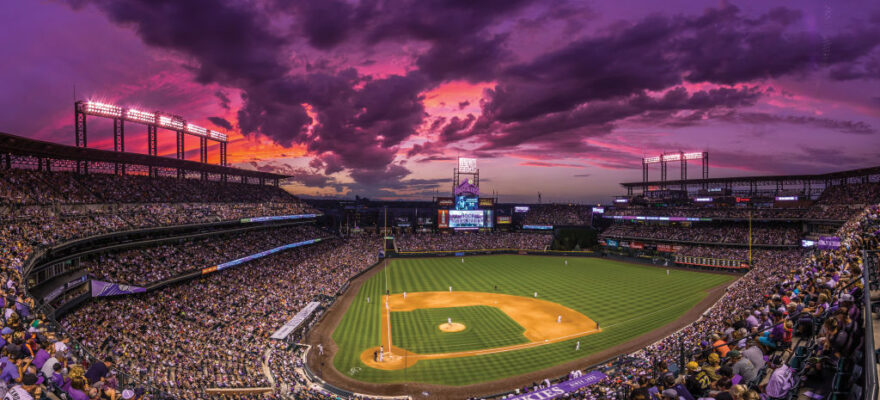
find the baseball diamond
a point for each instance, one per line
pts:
(520, 314)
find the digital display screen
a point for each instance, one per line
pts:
(466, 203)
(467, 165)
(277, 218)
(470, 219)
(621, 200)
(703, 199)
(808, 243)
(539, 227)
(599, 210)
(521, 209)
(786, 198)
(503, 219)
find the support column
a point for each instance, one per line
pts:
(180, 152)
(152, 146)
(684, 172)
(79, 123)
(203, 155)
(705, 170)
(118, 142)
(662, 173)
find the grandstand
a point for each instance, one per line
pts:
(215, 283)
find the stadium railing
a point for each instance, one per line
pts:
(870, 279)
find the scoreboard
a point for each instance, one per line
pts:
(465, 219)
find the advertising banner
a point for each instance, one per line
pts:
(467, 165)
(445, 201)
(655, 218)
(503, 219)
(101, 289)
(539, 227)
(443, 218)
(220, 267)
(487, 202)
(828, 242)
(561, 389)
(278, 218)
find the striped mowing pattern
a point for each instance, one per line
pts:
(627, 300)
(486, 327)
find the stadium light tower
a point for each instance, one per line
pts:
(683, 159)
(153, 121)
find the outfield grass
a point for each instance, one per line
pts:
(627, 300)
(486, 327)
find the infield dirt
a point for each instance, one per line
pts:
(545, 323)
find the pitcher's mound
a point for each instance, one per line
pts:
(453, 327)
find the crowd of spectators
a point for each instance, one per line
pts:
(472, 241)
(705, 232)
(720, 252)
(36, 359)
(26, 187)
(40, 209)
(213, 332)
(710, 212)
(558, 214)
(854, 193)
(142, 266)
(791, 323)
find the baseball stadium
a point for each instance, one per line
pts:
(408, 200)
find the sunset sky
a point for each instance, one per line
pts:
(378, 98)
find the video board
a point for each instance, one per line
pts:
(466, 202)
(466, 219)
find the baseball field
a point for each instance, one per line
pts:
(505, 315)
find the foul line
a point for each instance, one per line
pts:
(518, 346)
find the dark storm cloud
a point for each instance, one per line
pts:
(303, 176)
(221, 122)
(586, 87)
(224, 99)
(326, 23)
(475, 59)
(598, 117)
(843, 126)
(228, 43)
(362, 120)
(552, 101)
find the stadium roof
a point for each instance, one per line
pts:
(17, 145)
(862, 173)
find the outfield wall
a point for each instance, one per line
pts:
(460, 253)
